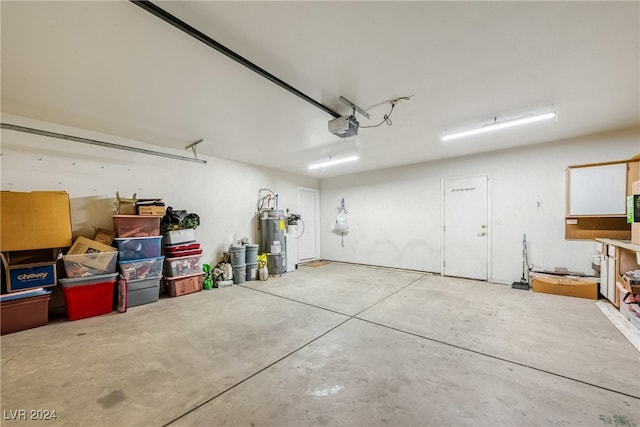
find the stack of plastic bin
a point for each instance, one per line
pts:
(140, 260)
(183, 272)
(90, 279)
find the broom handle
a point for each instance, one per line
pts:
(525, 261)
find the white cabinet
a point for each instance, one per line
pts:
(608, 273)
(618, 258)
(604, 275)
(611, 277)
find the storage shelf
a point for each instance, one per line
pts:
(597, 227)
(626, 261)
(594, 226)
(596, 216)
(621, 244)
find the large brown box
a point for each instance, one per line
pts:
(635, 233)
(125, 206)
(35, 220)
(568, 287)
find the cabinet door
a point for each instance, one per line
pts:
(611, 280)
(604, 276)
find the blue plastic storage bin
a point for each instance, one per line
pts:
(139, 247)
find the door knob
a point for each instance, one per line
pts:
(482, 234)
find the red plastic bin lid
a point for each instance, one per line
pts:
(171, 249)
(180, 254)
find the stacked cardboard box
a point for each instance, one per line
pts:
(35, 227)
(135, 206)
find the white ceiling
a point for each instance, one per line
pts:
(112, 67)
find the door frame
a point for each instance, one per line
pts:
(489, 223)
(316, 224)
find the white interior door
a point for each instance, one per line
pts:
(466, 227)
(309, 207)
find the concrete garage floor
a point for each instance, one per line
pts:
(334, 345)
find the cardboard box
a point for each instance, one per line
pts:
(82, 245)
(104, 236)
(125, 206)
(36, 220)
(635, 187)
(635, 233)
(30, 269)
(152, 210)
(563, 286)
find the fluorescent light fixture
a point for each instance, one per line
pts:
(501, 125)
(333, 162)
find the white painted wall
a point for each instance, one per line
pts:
(395, 214)
(224, 193)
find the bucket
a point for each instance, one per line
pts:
(237, 255)
(239, 273)
(252, 254)
(252, 271)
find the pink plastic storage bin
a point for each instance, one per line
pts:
(137, 225)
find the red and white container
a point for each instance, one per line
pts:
(88, 296)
